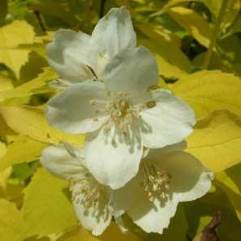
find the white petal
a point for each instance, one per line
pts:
(153, 217)
(61, 163)
(96, 219)
(150, 216)
(170, 121)
(121, 224)
(190, 179)
(132, 190)
(112, 158)
(114, 32)
(71, 110)
(70, 53)
(132, 71)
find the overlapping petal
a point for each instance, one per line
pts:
(132, 71)
(70, 53)
(94, 219)
(72, 111)
(77, 56)
(170, 120)
(60, 162)
(113, 158)
(189, 180)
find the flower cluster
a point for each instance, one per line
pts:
(132, 162)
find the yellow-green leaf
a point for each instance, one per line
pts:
(5, 84)
(47, 208)
(216, 141)
(3, 150)
(172, 63)
(14, 40)
(193, 23)
(10, 222)
(32, 122)
(232, 190)
(21, 149)
(112, 233)
(29, 88)
(230, 14)
(207, 91)
(159, 33)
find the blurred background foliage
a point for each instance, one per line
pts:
(197, 45)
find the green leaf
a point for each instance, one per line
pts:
(230, 182)
(3, 10)
(200, 212)
(230, 14)
(47, 209)
(193, 23)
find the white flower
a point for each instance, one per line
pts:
(165, 178)
(91, 200)
(124, 116)
(77, 56)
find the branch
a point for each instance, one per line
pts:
(213, 40)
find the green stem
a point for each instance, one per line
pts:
(213, 40)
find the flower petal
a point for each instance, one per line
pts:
(170, 121)
(150, 216)
(112, 158)
(70, 53)
(131, 71)
(94, 218)
(190, 179)
(71, 110)
(114, 32)
(153, 217)
(61, 163)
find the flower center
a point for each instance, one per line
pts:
(156, 182)
(122, 113)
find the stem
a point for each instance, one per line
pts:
(213, 40)
(102, 8)
(40, 20)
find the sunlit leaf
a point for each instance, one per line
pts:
(47, 208)
(22, 149)
(216, 141)
(112, 233)
(5, 83)
(14, 40)
(207, 91)
(171, 61)
(29, 88)
(10, 222)
(32, 122)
